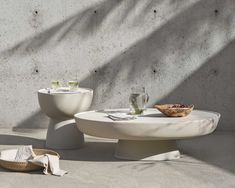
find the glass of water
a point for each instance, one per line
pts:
(55, 84)
(73, 85)
(137, 100)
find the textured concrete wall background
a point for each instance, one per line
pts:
(180, 50)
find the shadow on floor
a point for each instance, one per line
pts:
(91, 151)
(217, 149)
(38, 172)
(21, 140)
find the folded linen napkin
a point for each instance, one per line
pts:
(121, 116)
(25, 153)
(49, 161)
(8, 154)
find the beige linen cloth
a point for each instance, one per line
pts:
(49, 162)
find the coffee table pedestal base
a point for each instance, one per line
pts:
(64, 135)
(147, 150)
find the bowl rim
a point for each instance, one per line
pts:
(158, 106)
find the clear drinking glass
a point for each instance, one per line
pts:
(55, 84)
(73, 85)
(138, 99)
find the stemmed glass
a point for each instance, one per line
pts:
(73, 85)
(55, 84)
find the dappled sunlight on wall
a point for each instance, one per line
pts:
(210, 87)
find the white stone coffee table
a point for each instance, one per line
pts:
(151, 136)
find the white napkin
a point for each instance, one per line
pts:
(120, 116)
(8, 154)
(24, 153)
(49, 162)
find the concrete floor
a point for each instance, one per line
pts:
(207, 162)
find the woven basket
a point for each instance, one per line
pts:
(26, 166)
(171, 111)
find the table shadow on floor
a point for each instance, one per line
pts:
(21, 140)
(91, 151)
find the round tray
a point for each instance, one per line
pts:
(26, 166)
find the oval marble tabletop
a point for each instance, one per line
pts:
(153, 125)
(149, 132)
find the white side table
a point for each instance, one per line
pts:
(61, 106)
(151, 136)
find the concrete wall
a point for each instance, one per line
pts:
(180, 50)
